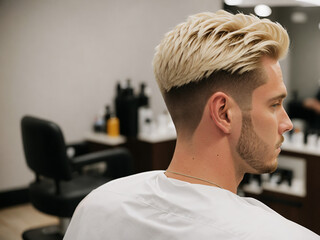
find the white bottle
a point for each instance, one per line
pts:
(145, 116)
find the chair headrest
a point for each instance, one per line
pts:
(44, 148)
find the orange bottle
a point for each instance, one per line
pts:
(113, 126)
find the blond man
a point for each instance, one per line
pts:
(222, 83)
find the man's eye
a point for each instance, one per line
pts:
(276, 105)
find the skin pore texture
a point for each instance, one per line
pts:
(230, 141)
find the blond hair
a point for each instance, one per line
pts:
(212, 42)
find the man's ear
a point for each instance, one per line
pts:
(220, 106)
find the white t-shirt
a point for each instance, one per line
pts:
(151, 206)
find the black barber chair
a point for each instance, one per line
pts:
(60, 183)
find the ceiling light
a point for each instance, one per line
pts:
(299, 17)
(262, 10)
(233, 2)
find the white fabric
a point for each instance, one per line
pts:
(151, 206)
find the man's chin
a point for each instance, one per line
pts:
(268, 168)
(272, 167)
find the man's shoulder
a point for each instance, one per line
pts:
(264, 222)
(123, 183)
(122, 187)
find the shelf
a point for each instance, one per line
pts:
(103, 138)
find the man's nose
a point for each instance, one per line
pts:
(286, 124)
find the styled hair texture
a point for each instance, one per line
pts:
(212, 42)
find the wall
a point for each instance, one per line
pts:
(60, 60)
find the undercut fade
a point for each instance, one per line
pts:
(210, 42)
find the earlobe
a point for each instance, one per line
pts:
(221, 115)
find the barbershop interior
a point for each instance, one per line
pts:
(78, 92)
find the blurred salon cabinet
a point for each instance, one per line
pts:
(149, 152)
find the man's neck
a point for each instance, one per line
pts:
(208, 161)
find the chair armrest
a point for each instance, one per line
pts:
(119, 161)
(76, 149)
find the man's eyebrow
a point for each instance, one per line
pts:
(278, 97)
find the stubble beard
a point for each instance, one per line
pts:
(253, 150)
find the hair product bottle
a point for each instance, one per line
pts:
(113, 126)
(127, 110)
